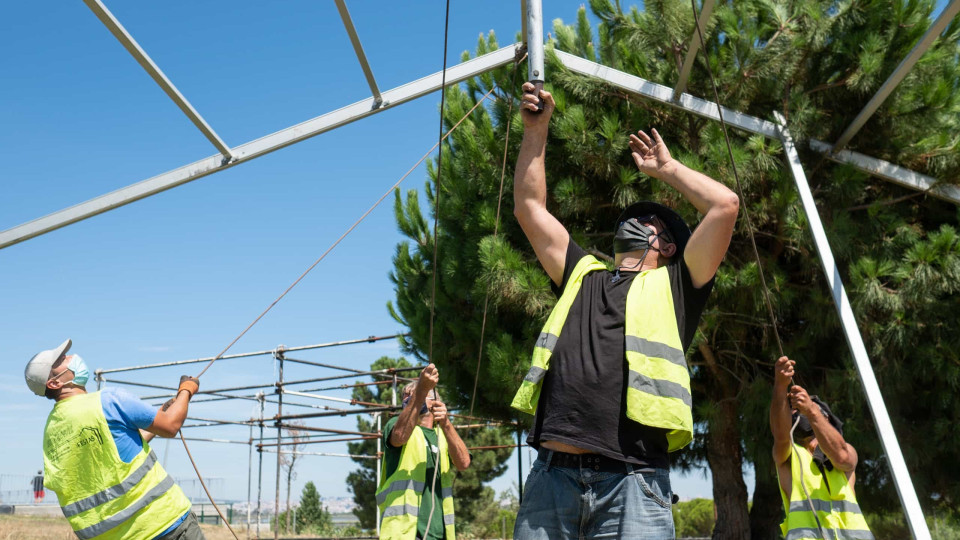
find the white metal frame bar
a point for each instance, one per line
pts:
(131, 45)
(899, 73)
(705, 12)
(888, 438)
(708, 109)
(257, 148)
(358, 48)
(888, 171)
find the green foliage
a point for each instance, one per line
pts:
(311, 517)
(693, 518)
(815, 61)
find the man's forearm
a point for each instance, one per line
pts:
(700, 190)
(407, 421)
(529, 178)
(832, 443)
(457, 449)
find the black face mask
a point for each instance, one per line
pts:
(632, 235)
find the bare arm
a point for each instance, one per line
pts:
(459, 454)
(780, 414)
(146, 435)
(410, 416)
(547, 235)
(838, 451)
(171, 415)
(718, 204)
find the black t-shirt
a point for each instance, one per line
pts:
(583, 399)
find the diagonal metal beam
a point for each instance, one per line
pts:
(358, 48)
(708, 109)
(899, 73)
(664, 94)
(888, 171)
(888, 438)
(257, 148)
(131, 45)
(705, 12)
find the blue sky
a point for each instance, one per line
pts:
(178, 275)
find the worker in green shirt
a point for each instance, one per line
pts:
(415, 495)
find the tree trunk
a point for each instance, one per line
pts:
(725, 458)
(289, 479)
(725, 455)
(767, 511)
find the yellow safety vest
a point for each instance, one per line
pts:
(399, 495)
(830, 495)
(658, 385)
(101, 496)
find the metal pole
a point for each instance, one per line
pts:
(901, 476)
(249, 479)
(393, 396)
(131, 45)
(534, 38)
(519, 463)
(369, 339)
(899, 73)
(276, 512)
(260, 473)
(358, 49)
(379, 449)
(694, 45)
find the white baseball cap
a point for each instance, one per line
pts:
(38, 368)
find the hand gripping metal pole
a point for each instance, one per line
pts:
(898, 467)
(534, 25)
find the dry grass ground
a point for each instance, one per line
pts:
(48, 528)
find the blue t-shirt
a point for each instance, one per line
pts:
(126, 415)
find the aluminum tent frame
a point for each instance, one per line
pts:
(676, 97)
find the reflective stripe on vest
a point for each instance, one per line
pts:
(658, 382)
(101, 496)
(832, 499)
(399, 496)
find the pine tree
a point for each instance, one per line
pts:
(817, 63)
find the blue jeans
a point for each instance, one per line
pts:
(580, 503)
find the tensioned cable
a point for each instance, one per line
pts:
(436, 242)
(436, 195)
(496, 229)
(312, 266)
(736, 175)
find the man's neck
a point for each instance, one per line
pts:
(70, 391)
(426, 421)
(811, 446)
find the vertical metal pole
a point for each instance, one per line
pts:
(534, 37)
(249, 479)
(99, 379)
(519, 463)
(393, 398)
(901, 476)
(262, 398)
(379, 438)
(276, 505)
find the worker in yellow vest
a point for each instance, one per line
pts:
(415, 495)
(608, 383)
(816, 468)
(97, 459)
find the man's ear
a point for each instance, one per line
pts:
(55, 384)
(668, 249)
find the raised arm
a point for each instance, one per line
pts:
(459, 454)
(780, 413)
(708, 245)
(410, 416)
(838, 451)
(171, 415)
(547, 235)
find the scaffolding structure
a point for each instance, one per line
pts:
(229, 156)
(306, 435)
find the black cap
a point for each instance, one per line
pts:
(679, 231)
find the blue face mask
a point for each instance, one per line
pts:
(80, 371)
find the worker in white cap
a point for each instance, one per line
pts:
(97, 459)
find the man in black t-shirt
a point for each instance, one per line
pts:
(609, 385)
